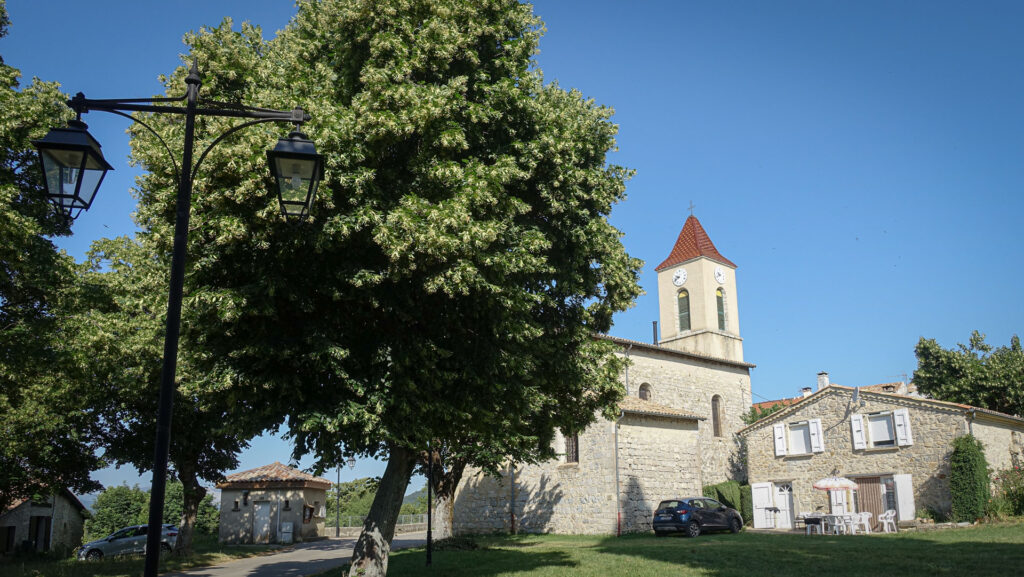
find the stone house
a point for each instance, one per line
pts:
(53, 523)
(256, 504)
(894, 446)
(685, 399)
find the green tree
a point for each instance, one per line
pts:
(974, 374)
(356, 498)
(46, 432)
(459, 263)
(968, 479)
(207, 516)
(116, 507)
(757, 413)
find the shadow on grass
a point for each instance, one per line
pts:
(989, 551)
(484, 562)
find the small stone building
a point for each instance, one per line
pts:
(685, 400)
(53, 523)
(895, 447)
(255, 504)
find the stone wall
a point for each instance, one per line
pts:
(689, 384)
(933, 429)
(658, 459)
(236, 525)
(1002, 441)
(66, 529)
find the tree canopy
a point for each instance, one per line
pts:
(46, 431)
(975, 374)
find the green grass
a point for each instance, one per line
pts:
(207, 552)
(975, 551)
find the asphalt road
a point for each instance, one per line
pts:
(302, 559)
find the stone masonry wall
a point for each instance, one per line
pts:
(1002, 441)
(689, 384)
(552, 497)
(933, 429)
(658, 459)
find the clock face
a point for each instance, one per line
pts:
(719, 275)
(679, 278)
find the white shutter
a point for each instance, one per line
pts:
(817, 438)
(780, 439)
(904, 497)
(761, 495)
(857, 427)
(902, 422)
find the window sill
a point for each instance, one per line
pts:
(799, 457)
(878, 450)
(569, 465)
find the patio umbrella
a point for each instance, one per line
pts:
(835, 483)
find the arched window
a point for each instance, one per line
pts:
(716, 415)
(720, 297)
(645, 392)
(684, 310)
(572, 448)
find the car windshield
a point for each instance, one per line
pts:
(670, 504)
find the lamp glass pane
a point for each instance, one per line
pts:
(90, 184)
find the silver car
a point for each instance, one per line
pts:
(127, 541)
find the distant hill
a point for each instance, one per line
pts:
(412, 497)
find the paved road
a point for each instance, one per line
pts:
(302, 559)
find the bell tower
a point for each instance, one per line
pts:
(697, 297)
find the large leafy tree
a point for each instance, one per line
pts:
(45, 429)
(447, 290)
(975, 373)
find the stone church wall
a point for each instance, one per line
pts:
(689, 384)
(658, 459)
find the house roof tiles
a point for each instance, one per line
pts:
(275, 474)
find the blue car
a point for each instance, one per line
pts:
(694, 515)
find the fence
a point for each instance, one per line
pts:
(351, 525)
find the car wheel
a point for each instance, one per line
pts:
(735, 525)
(692, 529)
(94, 555)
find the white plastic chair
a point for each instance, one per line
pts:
(862, 521)
(888, 521)
(849, 524)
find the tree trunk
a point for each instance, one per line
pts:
(370, 554)
(193, 495)
(444, 486)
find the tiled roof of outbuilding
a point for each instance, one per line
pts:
(692, 243)
(642, 407)
(276, 474)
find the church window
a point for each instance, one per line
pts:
(684, 310)
(720, 297)
(716, 414)
(645, 392)
(572, 448)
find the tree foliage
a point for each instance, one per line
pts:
(116, 507)
(46, 439)
(757, 413)
(459, 261)
(974, 374)
(968, 479)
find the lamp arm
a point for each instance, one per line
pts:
(177, 170)
(232, 130)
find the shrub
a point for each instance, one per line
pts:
(1009, 498)
(732, 494)
(747, 502)
(968, 479)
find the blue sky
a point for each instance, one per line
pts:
(861, 162)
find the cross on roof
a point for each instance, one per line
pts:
(691, 208)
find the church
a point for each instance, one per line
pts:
(686, 395)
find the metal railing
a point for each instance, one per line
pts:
(355, 521)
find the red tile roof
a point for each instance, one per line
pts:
(276, 475)
(764, 405)
(692, 243)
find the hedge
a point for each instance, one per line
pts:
(732, 494)
(968, 479)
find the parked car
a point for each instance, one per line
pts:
(694, 515)
(127, 541)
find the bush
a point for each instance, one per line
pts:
(1009, 498)
(747, 501)
(968, 479)
(732, 494)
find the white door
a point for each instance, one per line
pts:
(837, 498)
(261, 522)
(761, 495)
(784, 503)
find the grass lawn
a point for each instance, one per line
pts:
(975, 551)
(207, 552)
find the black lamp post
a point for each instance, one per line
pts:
(351, 462)
(74, 167)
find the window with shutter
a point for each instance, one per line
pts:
(901, 419)
(857, 429)
(799, 438)
(779, 432)
(817, 437)
(683, 300)
(572, 449)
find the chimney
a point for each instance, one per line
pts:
(806, 391)
(822, 380)
(655, 326)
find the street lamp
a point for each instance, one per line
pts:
(351, 462)
(73, 168)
